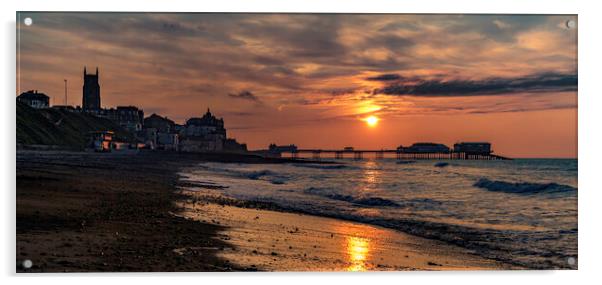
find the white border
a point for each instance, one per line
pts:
(336, 6)
(589, 134)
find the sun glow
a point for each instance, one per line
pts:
(372, 121)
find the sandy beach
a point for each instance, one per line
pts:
(88, 212)
(277, 241)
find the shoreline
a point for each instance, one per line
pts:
(90, 212)
(299, 242)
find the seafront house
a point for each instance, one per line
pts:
(161, 124)
(160, 133)
(205, 134)
(34, 99)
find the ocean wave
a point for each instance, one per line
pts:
(363, 201)
(263, 174)
(524, 188)
(422, 213)
(489, 243)
(254, 175)
(267, 175)
(191, 184)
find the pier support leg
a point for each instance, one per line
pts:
(380, 155)
(316, 155)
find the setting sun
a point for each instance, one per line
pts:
(371, 121)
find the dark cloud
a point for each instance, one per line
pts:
(246, 95)
(523, 109)
(385, 77)
(341, 91)
(268, 60)
(546, 82)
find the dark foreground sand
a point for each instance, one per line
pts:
(90, 212)
(107, 212)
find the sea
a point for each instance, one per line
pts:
(521, 211)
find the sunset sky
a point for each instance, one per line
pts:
(314, 79)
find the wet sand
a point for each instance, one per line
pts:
(90, 212)
(277, 241)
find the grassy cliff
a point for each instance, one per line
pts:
(61, 128)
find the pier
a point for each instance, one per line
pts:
(399, 154)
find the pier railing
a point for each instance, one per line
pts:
(401, 155)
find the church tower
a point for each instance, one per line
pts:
(91, 95)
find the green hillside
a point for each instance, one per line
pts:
(61, 128)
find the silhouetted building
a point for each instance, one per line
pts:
(128, 117)
(149, 136)
(34, 99)
(168, 141)
(161, 124)
(160, 133)
(232, 145)
(91, 94)
(203, 134)
(206, 125)
(473, 147)
(426, 147)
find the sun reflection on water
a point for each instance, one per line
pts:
(357, 250)
(371, 176)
